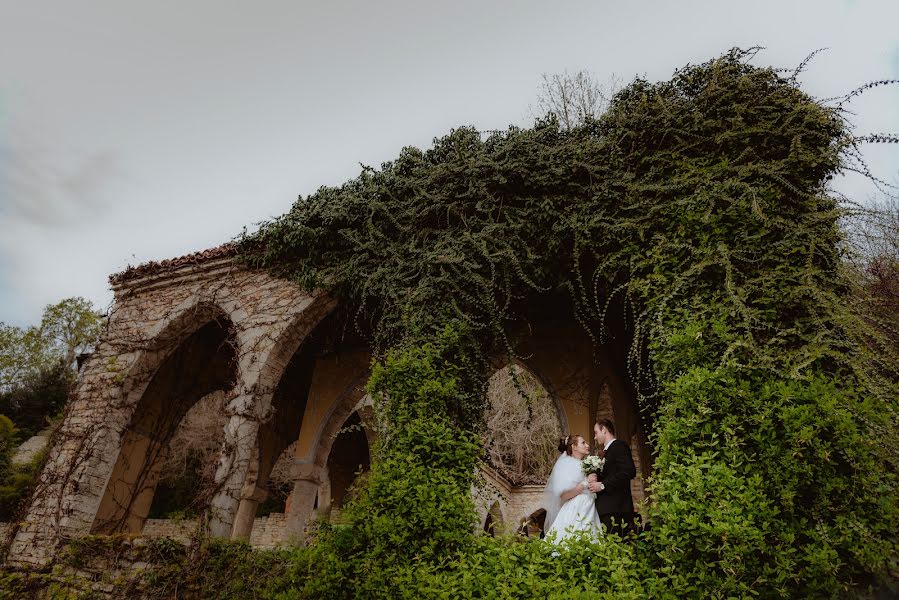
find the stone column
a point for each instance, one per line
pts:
(246, 512)
(307, 478)
(323, 510)
(238, 451)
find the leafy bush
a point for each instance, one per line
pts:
(15, 480)
(8, 440)
(37, 398)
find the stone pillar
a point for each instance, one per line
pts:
(238, 451)
(307, 478)
(246, 512)
(323, 511)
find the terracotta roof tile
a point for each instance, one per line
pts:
(161, 266)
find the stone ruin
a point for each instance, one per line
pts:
(182, 329)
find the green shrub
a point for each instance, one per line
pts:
(16, 481)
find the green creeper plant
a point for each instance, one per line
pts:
(694, 215)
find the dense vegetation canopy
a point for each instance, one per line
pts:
(697, 209)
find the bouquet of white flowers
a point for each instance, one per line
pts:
(593, 464)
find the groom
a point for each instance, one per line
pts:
(613, 489)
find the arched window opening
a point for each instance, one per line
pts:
(203, 363)
(488, 525)
(523, 426)
(348, 458)
(189, 464)
(533, 525)
(493, 521)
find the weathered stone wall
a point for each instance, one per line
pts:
(524, 502)
(508, 505)
(91, 478)
(267, 532)
(270, 531)
(180, 530)
(151, 316)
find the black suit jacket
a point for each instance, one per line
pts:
(616, 476)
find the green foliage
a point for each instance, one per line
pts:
(22, 352)
(37, 399)
(67, 328)
(36, 375)
(416, 505)
(213, 569)
(15, 480)
(500, 568)
(17, 485)
(696, 209)
(8, 439)
(71, 326)
(37, 364)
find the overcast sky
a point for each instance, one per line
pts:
(141, 131)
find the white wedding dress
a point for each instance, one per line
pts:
(564, 519)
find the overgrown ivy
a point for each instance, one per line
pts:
(697, 210)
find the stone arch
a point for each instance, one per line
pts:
(312, 489)
(349, 453)
(202, 361)
(348, 404)
(281, 349)
(162, 339)
(534, 525)
(276, 433)
(353, 399)
(270, 346)
(493, 522)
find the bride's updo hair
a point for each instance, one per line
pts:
(567, 443)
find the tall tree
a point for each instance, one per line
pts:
(67, 328)
(23, 352)
(874, 237)
(37, 364)
(70, 327)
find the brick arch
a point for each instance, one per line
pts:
(533, 525)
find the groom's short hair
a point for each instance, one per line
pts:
(607, 425)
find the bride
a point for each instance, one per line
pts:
(570, 507)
